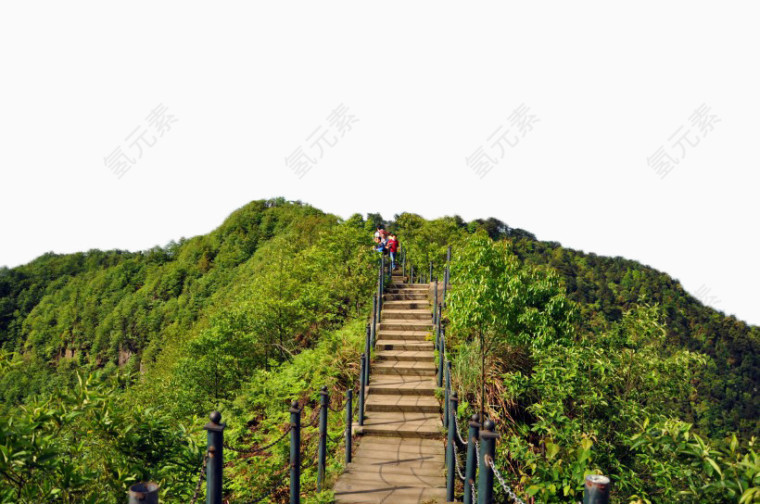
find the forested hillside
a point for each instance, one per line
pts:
(110, 361)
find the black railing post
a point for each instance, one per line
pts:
(448, 254)
(451, 450)
(143, 493)
(472, 463)
(447, 393)
(295, 453)
(436, 321)
(403, 261)
(374, 319)
(445, 284)
(487, 453)
(380, 290)
(215, 442)
(596, 489)
(430, 274)
(349, 421)
(367, 353)
(324, 401)
(439, 333)
(441, 358)
(361, 389)
(382, 274)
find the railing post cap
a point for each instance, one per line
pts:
(294, 407)
(487, 432)
(475, 421)
(597, 480)
(454, 396)
(143, 490)
(215, 423)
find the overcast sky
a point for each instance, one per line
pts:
(627, 131)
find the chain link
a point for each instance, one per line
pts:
(201, 477)
(472, 489)
(477, 453)
(503, 483)
(262, 448)
(456, 428)
(456, 464)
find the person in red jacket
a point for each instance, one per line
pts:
(392, 248)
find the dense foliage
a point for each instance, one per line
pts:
(573, 398)
(111, 361)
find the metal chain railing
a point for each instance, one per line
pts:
(462, 442)
(503, 483)
(459, 468)
(261, 448)
(201, 477)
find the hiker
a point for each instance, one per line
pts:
(380, 234)
(392, 249)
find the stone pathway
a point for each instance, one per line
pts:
(400, 456)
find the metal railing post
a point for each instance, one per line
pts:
(441, 357)
(430, 274)
(349, 421)
(367, 353)
(374, 319)
(596, 489)
(382, 274)
(324, 401)
(379, 291)
(215, 442)
(361, 389)
(439, 332)
(447, 393)
(445, 284)
(451, 450)
(436, 320)
(487, 453)
(143, 493)
(295, 453)
(472, 463)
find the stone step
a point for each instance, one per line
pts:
(399, 296)
(404, 368)
(405, 326)
(405, 355)
(367, 471)
(388, 343)
(405, 402)
(424, 288)
(393, 313)
(379, 492)
(407, 304)
(403, 447)
(402, 385)
(403, 424)
(404, 335)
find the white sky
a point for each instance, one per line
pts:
(429, 82)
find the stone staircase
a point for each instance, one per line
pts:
(400, 457)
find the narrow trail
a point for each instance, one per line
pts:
(400, 456)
